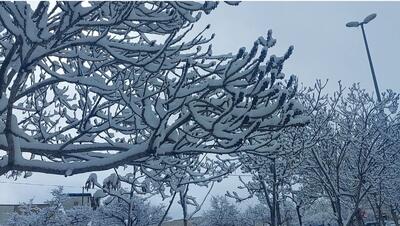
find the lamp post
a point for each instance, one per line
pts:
(361, 24)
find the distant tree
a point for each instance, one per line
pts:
(221, 213)
(53, 215)
(384, 195)
(363, 140)
(389, 191)
(255, 215)
(269, 182)
(168, 177)
(122, 200)
(298, 190)
(89, 86)
(275, 173)
(115, 211)
(319, 213)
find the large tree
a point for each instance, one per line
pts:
(359, 154)
(275, 176)
(91, 86)
(166, 177)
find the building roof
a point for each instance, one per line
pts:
(20, 204)
(78, 194)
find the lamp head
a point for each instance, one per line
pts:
(369, 18)
(353, 24)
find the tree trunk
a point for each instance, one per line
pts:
(373, 207)
(272, 213)
(274, 195)
(167, 210)
(338, 205)
(130, 221)
(359, 219)
(266, 194)
(184, 205)
(376, 204)
(299, 215)
(379, 205)
(278, 213)
(339, 212)
(340, 222)
(394, 215)
(380, 215)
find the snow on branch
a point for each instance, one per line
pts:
(87, 87)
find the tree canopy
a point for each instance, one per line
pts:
(92, 86)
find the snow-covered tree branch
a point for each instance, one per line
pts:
(93, 86)
(360, 150)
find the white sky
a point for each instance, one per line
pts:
(324, 48)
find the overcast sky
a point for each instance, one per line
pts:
(324, 49)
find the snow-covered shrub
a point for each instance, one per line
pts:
(116, 211)
(52, 215)
(255, 215)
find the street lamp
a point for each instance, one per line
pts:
(361, 24)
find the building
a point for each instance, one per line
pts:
(78, 199)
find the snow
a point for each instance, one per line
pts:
(98, 100)
(92, 178)
(3, 103)
(99, 194)
(111, 181)
(137, 87)
(68, 172)
(149, 115)
(8, 23)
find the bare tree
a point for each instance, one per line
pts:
(348, 165)
(167, 177)
(221, 213)
(387, 192)
(275, 174)
(88, 87)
